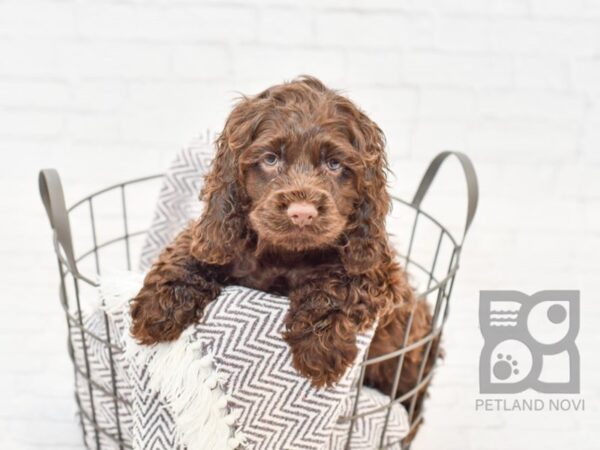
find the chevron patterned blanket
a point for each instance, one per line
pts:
(227, 382)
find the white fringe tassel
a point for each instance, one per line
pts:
(182, 375)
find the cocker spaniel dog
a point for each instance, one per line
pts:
(295, 204)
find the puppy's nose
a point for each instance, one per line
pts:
(301, 213)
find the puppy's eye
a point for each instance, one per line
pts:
(270, 159)
(334, 164)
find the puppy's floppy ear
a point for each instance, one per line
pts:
(366, 235)
(223, 228)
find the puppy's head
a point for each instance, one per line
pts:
(299, 167)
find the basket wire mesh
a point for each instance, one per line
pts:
(423, 254)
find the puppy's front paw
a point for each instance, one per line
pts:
(322, 351)
(162, 314)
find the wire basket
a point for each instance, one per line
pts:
(110, 231)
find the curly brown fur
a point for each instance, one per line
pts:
(295, 143)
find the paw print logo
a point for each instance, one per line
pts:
(505, 367)
(510, 362)
(529, 342)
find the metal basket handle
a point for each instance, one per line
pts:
(470, 176)
(53, 198)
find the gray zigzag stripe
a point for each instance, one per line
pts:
(178, 200)
(279, 406)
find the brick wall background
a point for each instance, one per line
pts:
(109, 90)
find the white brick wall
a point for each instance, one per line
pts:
(108, 90)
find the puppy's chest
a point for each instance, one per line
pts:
(276, 279)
